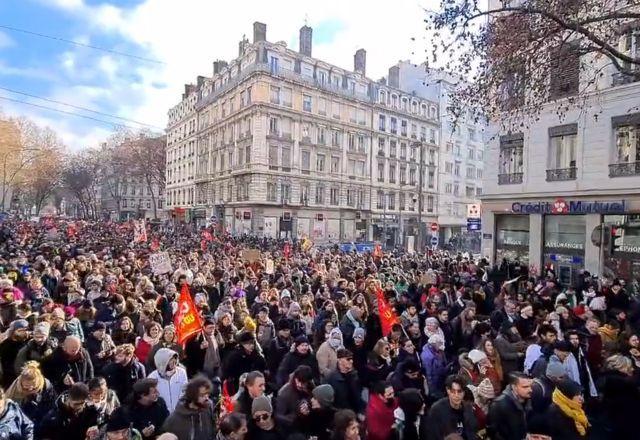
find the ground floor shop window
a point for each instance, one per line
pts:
(563, 245)
(512, 238)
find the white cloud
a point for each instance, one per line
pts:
(189, 35)
(5, 40)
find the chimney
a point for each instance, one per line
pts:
(394, 77)
(360, 61)
(218, 65)
(259, 32)
(200, 81)
(306, 40)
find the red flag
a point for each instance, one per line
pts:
(187, 320)
(71, 231)
(226, 402)
(377, 251)
(155, 244)
(287, 250)
(387, 315)
(206, 235)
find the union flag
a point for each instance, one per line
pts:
(187, 320)
(388, 316)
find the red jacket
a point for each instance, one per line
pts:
(379, 417)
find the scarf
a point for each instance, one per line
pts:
(573, 410)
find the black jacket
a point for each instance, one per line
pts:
(36, 408)
(542, 389)
(293, 360)
(288, 403)
(278, 349)
(58, 365)
(443, 421)
(347, 390)
(562, 426)
(144, 416)
(120, 378)
(61, 424)
(507, 417)
(239, 362)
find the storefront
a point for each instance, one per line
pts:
(564, 245)
(512, 238)
(625, 260)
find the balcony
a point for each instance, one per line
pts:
(510, 179)
(561, 174)
(624, 169)
(381, 153)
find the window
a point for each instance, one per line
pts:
(335, 196)
(430, 203)
(286, 158)
(320, 195)
(511, 160)
(335, 107)
(285, 193)
(412, 176)
(273, 157)
(247, 154)
(306, 133)
(336, 138)
(478, 192)
(392, 148)
(432, 136)
(471, 172)
(286, 96)
(394, 101)
(351, 197)
(456, 169)
(470, 191)
(304, 193)
(414, 153)
(448, 167)
(394, 126)
(335, 164)
(479, 174)
(380, 172)
(448, 188)
(431, 180)
(322, 136)
(306, 103)
(392, 174)
(456, 189)
(480, 155)
(414, 131)
(403, 175)
(401, 202)
(403, 128)
(275, 95)
(274, 126)
(320, 163)
(380, 202)
(382, 123)
(322, 106)
(271, 191)
(473, 134)
(471, 153)
(403, 150)
(382, 97)
(351, 140)
(360, 168)
(305, 161)
(392, 201)
(562, 144)
(627, 144)
(381, 144)
(449, 147)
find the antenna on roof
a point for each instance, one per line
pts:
(306, 19)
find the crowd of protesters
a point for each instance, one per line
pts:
(292, 347)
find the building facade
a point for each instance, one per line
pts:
(278, 143)
(556, 181)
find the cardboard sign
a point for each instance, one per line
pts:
(269, 266)
(251, 255)
(160, 263)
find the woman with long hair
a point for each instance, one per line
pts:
(33, 392)
(486, 346)
(345, 426)
(152, 333)
(124, 333)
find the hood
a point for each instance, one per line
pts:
(335, 332)
(162, 358)
(183, 409)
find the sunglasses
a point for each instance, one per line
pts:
(263, 417)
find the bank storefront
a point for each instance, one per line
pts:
(558, 233)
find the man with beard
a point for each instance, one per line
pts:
(171, 378)
(345, 383)
(9, 349)
(72, 418)
(407, 375)
(148, 409)
(278, 348)
(301, 355)
(100, 346)
(194, 416)
(382, 403)
(293, 398)
(123, 371)
(202, 354)
(243, 359)
(69, 363)
(37, 348)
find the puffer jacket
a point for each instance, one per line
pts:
(190, 424)
(171, 387)
(14, 424)
(435, 370)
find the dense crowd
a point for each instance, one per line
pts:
(292, 343)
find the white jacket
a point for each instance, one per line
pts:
(170, 388)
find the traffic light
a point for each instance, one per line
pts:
(616, 233)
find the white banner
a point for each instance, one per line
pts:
(160, 263)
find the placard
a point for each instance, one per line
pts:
(160, 263)
(269, 266)
(251, 255)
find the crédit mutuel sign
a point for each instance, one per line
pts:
(562, 206)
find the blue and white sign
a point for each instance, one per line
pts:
(474, 226)
(434, 240)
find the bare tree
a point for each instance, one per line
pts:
(80, 177)
(520, 57)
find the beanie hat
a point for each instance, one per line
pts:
(262, 403)
(99, 325)
(570, 388)
(19, 324)
(477, 356)
(249, 324)
(410, 401)
(283, 324)
(245, 338)
(359, 333)
(42, 328)
(302, 339)
(118, 421)
(324, 394)
(555, 369)
(485, 389)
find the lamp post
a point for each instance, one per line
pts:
(420, 191)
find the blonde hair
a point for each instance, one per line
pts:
(31, 372)
(618, 362)
(126, 349)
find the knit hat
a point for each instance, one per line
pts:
(118, 421)
(262, 403)
(570, 388)
(324, 394)
(343, 353)
(555, 370)
(485, 389)
(245, 338)
(99, 325)
(477, 356)
(285, 293)
(302, 339)
(18, 324)
(359, 333)
(42, 328)
(283, 324)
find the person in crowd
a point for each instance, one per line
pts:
(254, 387)
(33, 392)
(14, 424)
(565, 416)
(451, 414)
(434, 364)
(193, 418)
(542, 387)
(123, 371)
(72, 418)
(148, 410)
(151, 337)
(409, 418)
(327, 354)
(17, 336)
(68, 364)
(262, 425)
(170, 376)
(202, 353)
(243, 359)
(345, 383)
(36, 348)
(507, 418)
(319, 421)
(380, 411)
(168, 340)
(510, 346)
(294, 397)
(102, 398)
(119, 427)
(232, 426)
(100, 346)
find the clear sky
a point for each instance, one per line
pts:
(173, 42)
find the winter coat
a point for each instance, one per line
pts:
(190, 424)
(37, 407)
(14, 424)
(154, 414)
(443, 420)
(150, 365)
(293, 360)
(239, 362)
(561, 425)
(435, 369)
(61, 424)
(347, 390)
(379, 417)
(58, 365)
(509, 354)
(172, 387)
(265, 332)
(507, 417)
(288, 405)
(95, 346)
(9, 349)
(327, 358)
(620, 400)
(278, 348)
(120, 378)
(34, 352)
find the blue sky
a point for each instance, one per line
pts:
(187, 35)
